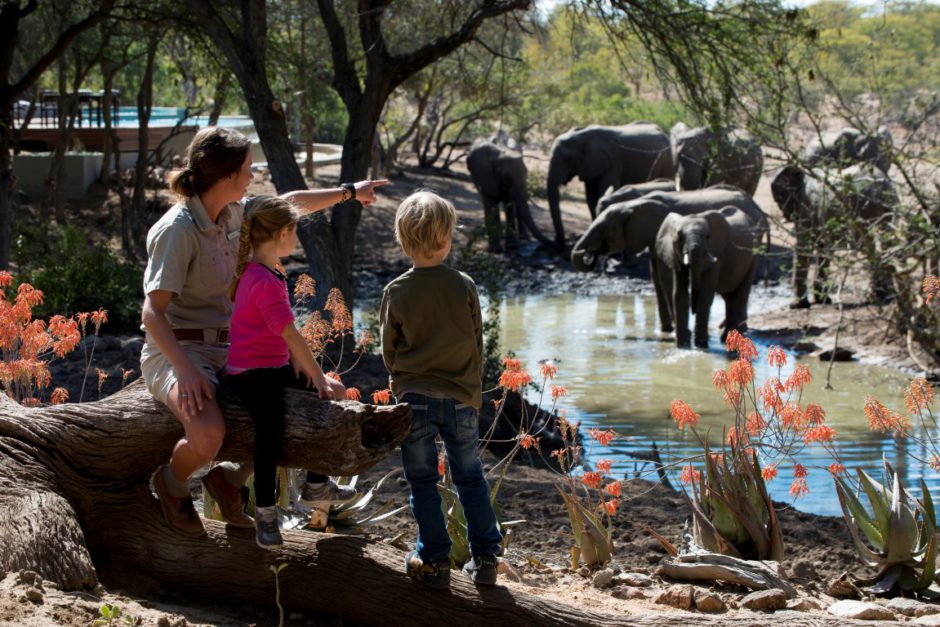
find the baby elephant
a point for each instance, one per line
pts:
(710, 252)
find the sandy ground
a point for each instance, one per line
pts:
(818, 549)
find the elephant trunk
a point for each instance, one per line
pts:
(521, 203)
(583, 260)
(558, 175)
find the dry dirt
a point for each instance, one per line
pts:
(818, 549)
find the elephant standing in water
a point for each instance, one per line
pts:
(633, 226)
(633, 191)
(499, 175)
(710, 252)
(705, 157)
(828, 208)
(848, 146)
(603, 157)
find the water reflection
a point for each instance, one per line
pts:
(621, 373)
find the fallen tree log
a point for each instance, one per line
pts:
(75, 503)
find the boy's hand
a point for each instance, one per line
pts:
(365, 190)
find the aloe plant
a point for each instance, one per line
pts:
(732, 513)
(900, 531)
(593, 544)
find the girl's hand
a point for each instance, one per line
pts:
(330, 389)
(365, 191)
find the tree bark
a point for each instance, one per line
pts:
(135, 217)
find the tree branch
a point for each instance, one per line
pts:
(345, 79)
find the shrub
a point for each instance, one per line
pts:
(76, 275)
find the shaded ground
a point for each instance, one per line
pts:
(817, 548)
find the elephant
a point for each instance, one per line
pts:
(632, 226)
(712, 253)
(499, 175)
(633, 191)
(817, 202)
(848, 146)
(705, 157)
(603, 157)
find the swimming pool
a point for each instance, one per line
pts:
(166, 116)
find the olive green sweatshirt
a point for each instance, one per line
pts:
(432, 335)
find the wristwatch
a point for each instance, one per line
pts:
(351, 188)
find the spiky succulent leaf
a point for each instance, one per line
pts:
(857, 516)
(880, 499)
(902, 532)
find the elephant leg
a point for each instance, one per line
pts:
(592, 193)
(680, 299)
(702, 304)
(491, 224)
(821, 285)
(801, 262)
(662, 281)
(511, 225)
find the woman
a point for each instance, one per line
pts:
(191, 261)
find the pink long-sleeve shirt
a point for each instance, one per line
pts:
(262, 310)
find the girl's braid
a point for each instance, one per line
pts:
(244, 251)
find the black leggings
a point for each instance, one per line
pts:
(262, 390)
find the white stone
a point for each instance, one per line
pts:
(638, 580)
(861, 610)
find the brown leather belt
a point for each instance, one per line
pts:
(209, 336)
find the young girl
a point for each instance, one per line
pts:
(267, 354)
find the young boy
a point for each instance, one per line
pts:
(432, 342)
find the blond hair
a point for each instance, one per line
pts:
(424, 223)
(262, 223)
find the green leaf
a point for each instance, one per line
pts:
(880, 501)
(930, 565)
(856, 515)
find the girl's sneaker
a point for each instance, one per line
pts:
(431, 574)
(267, 527)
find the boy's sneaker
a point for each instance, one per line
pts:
(267, 529)
(481, 569)
(431, 574)
(328, 493)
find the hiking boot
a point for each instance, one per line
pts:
(179, 512)
(432, 574)
(318, 495)
(229, 498)
(267, 529)
(481, 569)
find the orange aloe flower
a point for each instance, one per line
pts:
(741, 371)
(304, 288)
(353, 394)
(558, 391)
(836, 469)
(880, 418)
(815, 415)
(591, 479)
(6, 279)
(792, 416)
(339, 312)
(682, 414)
(918, 396)
(366, 339)
(690, 474)
(602, 437)
(799, 471)
(611, 506)
(721, 380)
(548, 370)
(125, 375)
(798, 488)
(798, 378)
(755, 424)
(776, 357)
(527, 441)
(822, 433)
(614, 488)
(381, 397)
(931, 287)
(604, 466)
(768, 472)
(99, 318)
(737, 343)
(59, 396)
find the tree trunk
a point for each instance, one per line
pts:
(108, 70)
(218, 97)
(75, 503)
(135, 219)
(7, 182)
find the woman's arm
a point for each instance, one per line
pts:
(312, 200)
(192, 384)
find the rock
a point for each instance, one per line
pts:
(27, 576)
(765, 600)
(841, 354)
(930, 619)
(805, 569)
(584, 571)
(34, 595)
(638, 580)
(676, 596)
(603, 578)
(804, 604)
(843, 588)
(709, 602)
(133, 345)
(628, 593)
(505, 569)
(912, 607)
(860, 610)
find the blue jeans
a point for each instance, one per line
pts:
(458, 426)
